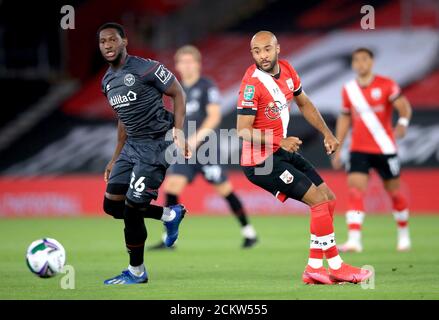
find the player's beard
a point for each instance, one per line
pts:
(115, 61)
(269, 69)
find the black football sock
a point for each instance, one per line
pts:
(116, 209)
(135, 235)
(152, 212)
(171, 199)
(237, 209)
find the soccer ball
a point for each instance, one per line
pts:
(45, 257)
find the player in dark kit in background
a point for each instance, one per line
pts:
(134, 88)
(203, 112)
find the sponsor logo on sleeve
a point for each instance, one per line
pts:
(290, 84)
(247, 104)
(163, 74)
(249, 92)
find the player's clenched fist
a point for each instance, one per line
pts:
(331, 143)
(290, 144)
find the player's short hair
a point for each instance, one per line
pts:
(113, 25)
(188, 49)
(363, 49)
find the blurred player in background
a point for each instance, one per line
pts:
(267, 90)
(368, 103)
(134, 88)
(203, 112)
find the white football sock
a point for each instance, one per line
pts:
(335, 262)
(327, 243)
(402, 217)
(354, 236)
(403, 232)
(248, 232)
(138, 270)
(168, 214)
(314, 262)
(354, 217)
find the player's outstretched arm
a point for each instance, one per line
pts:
(402, 105)
(313, 116)
(121, 138)
(176, 92)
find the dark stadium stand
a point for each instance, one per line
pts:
(23, 93)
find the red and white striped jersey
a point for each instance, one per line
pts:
(371, 113)
(268, 98)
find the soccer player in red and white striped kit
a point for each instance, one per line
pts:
(267, 90)
(368, 103)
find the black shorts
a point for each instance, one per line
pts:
(139, 170)
(387, 166)
(291, 177)
(213, 173)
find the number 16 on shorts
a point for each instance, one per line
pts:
(137, 185)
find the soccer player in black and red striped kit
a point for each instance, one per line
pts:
(271, 160)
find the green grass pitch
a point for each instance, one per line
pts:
(209, 263)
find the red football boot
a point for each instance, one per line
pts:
(316, 276)
(348, 273)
